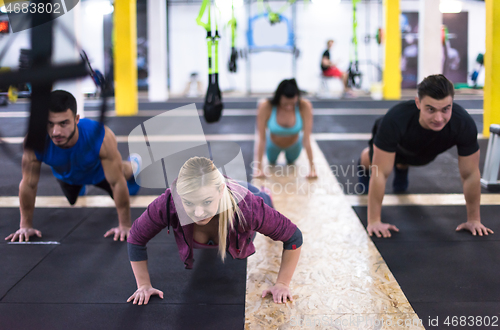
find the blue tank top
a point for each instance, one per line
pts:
(80, 164)
(276, 129)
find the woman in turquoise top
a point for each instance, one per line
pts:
(284, 124)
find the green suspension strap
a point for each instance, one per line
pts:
(354, 79)
(212, 108)
(274, 16)
(355, 28)
(234, 54)
(215, 41)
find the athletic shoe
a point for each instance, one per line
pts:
(136, 163)
(83, 191)
(363, 177)
(400, 182)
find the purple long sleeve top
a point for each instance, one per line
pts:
(258, 217)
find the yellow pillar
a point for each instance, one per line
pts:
(125, 57)
(392, 67)
(6, 2)
(492, 66)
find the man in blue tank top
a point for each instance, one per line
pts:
(80, 152)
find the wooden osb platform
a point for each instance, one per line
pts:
(341, 281)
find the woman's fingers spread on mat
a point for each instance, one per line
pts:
(376, 232)
(142, 295)
(138, 298)
(312, 174)
(279, 291)
(265, 292)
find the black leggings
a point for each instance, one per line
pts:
(257, 192)
(72, 191)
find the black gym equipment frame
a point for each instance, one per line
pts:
(42, 76)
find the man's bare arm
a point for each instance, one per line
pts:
(27, 196)
(381, 168)
(470, 175)
(112, 165)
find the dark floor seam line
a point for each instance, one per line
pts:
(43, 258)
(78, 224)
(29, 271)
(125, 303)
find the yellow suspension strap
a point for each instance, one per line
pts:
(234, 53)
(354, 75)
(212, 108)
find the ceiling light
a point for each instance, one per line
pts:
(450, 6)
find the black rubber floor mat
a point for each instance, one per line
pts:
(439, 177)
(441, 272)
(121, 316)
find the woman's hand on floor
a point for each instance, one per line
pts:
(143, 293)
(312, 173)
(280, 292)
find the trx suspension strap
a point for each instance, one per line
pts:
(234, 54)
(354, 79)
(212, 109)
(275, 17)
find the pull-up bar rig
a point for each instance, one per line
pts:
(289, 47)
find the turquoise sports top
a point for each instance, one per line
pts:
(276, 129)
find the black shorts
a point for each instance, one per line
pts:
(71, 191)
(401, 158)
